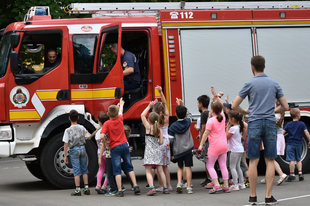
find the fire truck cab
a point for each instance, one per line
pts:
(184, 47)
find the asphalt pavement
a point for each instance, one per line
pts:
(19, 187)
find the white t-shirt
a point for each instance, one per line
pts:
(99, 143)
(234, 143)
(74, 135)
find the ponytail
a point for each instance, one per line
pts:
(281, 120)
(159, 108)
(156, 129)
(240, 120)
(153, 118)
(219, 117)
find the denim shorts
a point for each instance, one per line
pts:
(262, 131)
(78, 159)
(293, 152)
(121, 152)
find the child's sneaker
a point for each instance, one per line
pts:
(242, 186)
(86, 191)
(234, 188)
(136, 189)
(190, 191)
(111, 193)
(226, 189)
(123, 188)
(120, 194)
(301, 177)
(205, 182)
(263, 181)
(160, 189)
(210, 185)
(99, 190)
(230, 182)
(76, 193)
(104, 188)
(185, 185)
(290, 178)
(215, 189)
(151, 192)
(166, 191)
(170, 188)
(179, 188)
(247, 183)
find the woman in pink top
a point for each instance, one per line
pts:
(215, 132)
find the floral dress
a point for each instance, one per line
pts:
(165, 147)
(152, 153)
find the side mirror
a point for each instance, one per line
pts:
(15, 40)
(14, 62)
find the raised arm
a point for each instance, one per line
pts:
(216, 96)
(163, 99)
(145, 112)
(121, 106)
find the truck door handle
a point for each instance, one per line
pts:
(63, 94)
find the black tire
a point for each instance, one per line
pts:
(305, 158)
(35, 169)
(56, 171)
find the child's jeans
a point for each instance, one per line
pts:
(78, 159)
(109, 172)
(121, 152)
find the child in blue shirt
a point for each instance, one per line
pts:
(295, 130)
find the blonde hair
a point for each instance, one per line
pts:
(113, 111)
(159, 108)
(294, 112)
(153, 118)
(127, 130)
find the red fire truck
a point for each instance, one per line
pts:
(185, 47)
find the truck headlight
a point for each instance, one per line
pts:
(5, 133)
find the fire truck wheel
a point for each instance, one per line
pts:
(305, 157)
(54, 168)
(35, 169)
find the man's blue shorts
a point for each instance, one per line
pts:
(293, 152)
(258, 131)
(78, 159)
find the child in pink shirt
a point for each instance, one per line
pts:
(215, 132)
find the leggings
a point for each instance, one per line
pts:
(222, 162)
(101, 172)
(235, 159)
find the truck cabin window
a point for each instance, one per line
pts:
(107, 59)
(83, 50)
(39, 53)
(5, 47)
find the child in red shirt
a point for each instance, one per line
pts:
(119, 146)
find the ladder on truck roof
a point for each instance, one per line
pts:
(152, 8)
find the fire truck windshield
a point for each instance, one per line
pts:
(5, 47)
